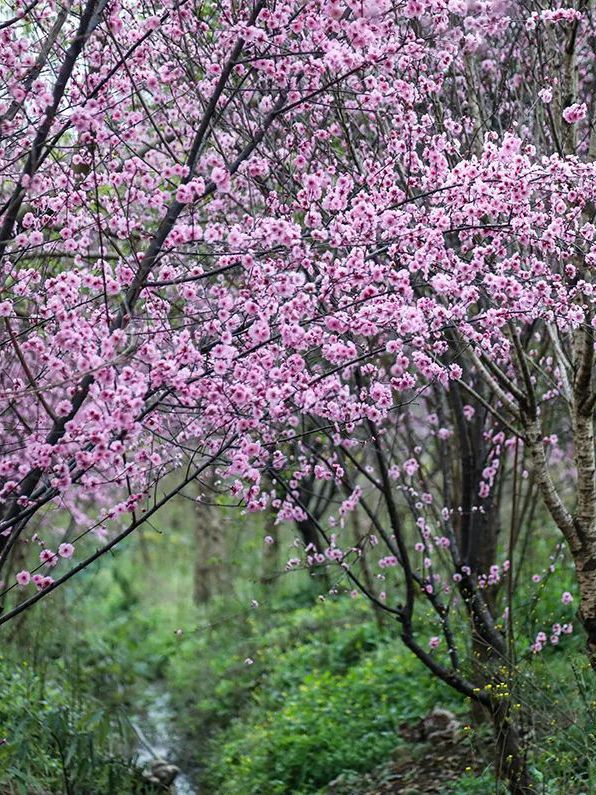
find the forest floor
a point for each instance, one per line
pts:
(426, 768)
(422, 767)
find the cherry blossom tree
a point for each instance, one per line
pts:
(270, 236)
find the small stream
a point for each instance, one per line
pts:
(156, 730)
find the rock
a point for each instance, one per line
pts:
(440, 724)
(160, 772)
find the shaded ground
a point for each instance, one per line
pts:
(427, 771)
(427, 765)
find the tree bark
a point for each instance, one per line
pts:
(209, 570)
(585, 567)
(511, 757)
(270, 551)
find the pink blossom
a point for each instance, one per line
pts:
(66, 550)
(23, 577)
(566, 598)
(574, 113)
(221, 178)
(411, 466)
(546, 95)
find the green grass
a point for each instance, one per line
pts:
(58, 738)
(325, 693)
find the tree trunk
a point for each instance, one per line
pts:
(477, 527)
(585, 566)
(379, 614)
(511, 760)
(270, 550)
(210, 550)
